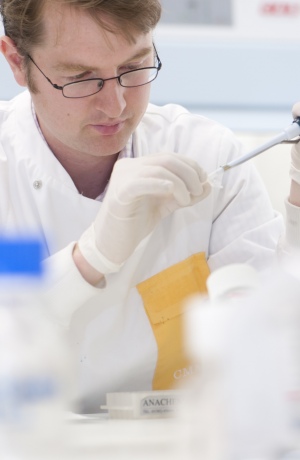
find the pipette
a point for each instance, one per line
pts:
(285, 136)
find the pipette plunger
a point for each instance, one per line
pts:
(286, 135)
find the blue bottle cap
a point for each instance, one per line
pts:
(20, 257)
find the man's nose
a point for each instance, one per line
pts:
(111, 98)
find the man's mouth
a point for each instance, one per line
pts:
(108, 129)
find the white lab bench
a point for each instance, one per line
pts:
(126, 439)
(94, 437)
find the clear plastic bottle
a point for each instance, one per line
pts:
(33, 359)
(246, 340)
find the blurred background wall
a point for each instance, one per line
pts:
(236, 61)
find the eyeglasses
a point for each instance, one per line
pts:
(85, 88)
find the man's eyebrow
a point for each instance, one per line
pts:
(71, 67)
(141, 53)
(74, 67)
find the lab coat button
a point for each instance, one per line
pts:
(37, 184)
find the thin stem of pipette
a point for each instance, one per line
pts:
(289, 133)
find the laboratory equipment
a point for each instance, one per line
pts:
(33, 358)
(233, 281)
(142, 404)
(286, 136)
(245, 402)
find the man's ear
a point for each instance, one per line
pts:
(14, 59)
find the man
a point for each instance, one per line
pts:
(117, 188)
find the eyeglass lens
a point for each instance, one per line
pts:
(138, 77)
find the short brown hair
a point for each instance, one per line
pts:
(23, 19)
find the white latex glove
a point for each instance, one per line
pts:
(142, 191)
(295, 151)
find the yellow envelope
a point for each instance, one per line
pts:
(163, 297)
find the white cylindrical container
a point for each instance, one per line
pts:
(245, 403)
(232, 281)
(33, 359)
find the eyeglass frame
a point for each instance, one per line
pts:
(103, 80)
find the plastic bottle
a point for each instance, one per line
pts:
(33, 359)
(233, 281)
(246, 339)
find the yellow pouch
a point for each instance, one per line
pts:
(163, 296)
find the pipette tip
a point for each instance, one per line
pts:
(217, 171)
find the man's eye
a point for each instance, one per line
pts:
(76, 77)
(133, 66)
(81, 76)
(128, 68)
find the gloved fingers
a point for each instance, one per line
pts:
(295, 152)
(206, 191)
(296, 110)
(157, 175)
(184, 168)
(164, 184)
(169, 206)
(295, 157)
(126, 171)
(184, 196)
(160, 183)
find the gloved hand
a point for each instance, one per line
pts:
(295, 151)
(142, 191)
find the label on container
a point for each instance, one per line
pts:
(155, 404)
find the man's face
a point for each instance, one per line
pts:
(76, 48)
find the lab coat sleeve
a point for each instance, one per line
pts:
(245, 226)
(291, 240)
(66, 289)
(289, 243)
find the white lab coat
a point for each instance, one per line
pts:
(111, 337)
